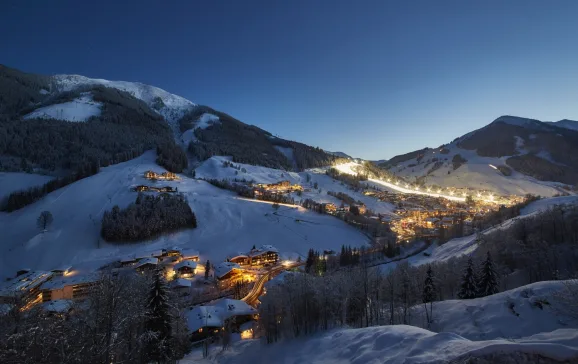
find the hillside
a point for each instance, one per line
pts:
(226, 223)
(509, 156)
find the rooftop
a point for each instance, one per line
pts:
(61, 282)
(185, 263)
(223, 268)
(24, 282)
(146, 261)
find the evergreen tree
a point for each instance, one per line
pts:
(468, 289)
(159, 320)
(488, 278)
(207, 269)
(429, 294)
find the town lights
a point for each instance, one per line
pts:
(389, 180)
(439, 191)
(406, 185)
(464, 194)
(428, 189)
(479, 195)
(451, 193)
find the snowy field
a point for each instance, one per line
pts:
(524, 320)
(399, 344)
(226, 224)
(79, 109)
(15, 181)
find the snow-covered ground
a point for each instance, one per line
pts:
(174, 106)
(515, 324)
(547, 203)
(226, 223)
(213, 168)
(79, 109)
(398, 344)
(204, 121)
(15, 181)
(476, 174)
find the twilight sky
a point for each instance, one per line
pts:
(369, 78)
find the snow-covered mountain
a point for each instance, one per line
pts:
(512, 155)
(170, 106)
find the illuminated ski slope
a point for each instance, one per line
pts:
(349, 169)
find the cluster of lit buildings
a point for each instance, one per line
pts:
(170, 176)
(144, 188)
(279, 187)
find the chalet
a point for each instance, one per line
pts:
(207, 321)
(227, 270)
(279, 187)
(190, 254)
(447, 221)
(181, 286)
(68, 288)
(164, 175)
(147, 265)
(141, 188)
(266, 254)
(128, 261)
(186, 268)
(25, 288)
(329, 208)
(172, 252)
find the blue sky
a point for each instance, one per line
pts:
(369, 78)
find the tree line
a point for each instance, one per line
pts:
(533, 249)
(147, 217)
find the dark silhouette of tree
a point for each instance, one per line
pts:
(488, 278)
(468, 289)
(429, 292)
(44, 220)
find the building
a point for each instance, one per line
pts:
(165, 175)
(147, 265)
(279, 187)
(190, 254)
(172, 252)
(266, 254)
(58, 308)
(227, 270)
(207, 321)
(62, 271)
(24, 289)
(68, 288)
(186, 268)
(181, 286)
(329, 208)
(432, 222)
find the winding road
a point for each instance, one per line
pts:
(253, 296)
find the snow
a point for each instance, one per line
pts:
(547, 203)
(226, 223)
(57, 306)
(185, 263)
(15, 181)
(476, 174)
(206, 120)
(568, 124)
(398, 344)
(215, 315)
(79, 109)
(174, 106)
(289, 154)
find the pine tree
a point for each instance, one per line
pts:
(488, 278)
(207, 269)
(159, 320)
(468, 289)
(429, 294)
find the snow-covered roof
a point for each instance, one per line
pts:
(146, 261)
(62, 269)
(223, 268)
(61, 282)
(189, 253)
(185, 263)
(215, 316)
(24, 282)
(57, 306)
(128, 259)
(269, 248)
(181, 282)
(203, 316)
(232, 307)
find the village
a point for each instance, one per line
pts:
(218, 293)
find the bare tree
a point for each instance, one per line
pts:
(44, 220)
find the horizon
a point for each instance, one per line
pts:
(373, 80)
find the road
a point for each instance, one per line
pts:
(253, 296)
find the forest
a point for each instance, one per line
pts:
(148, 217)
(249, 144)
(348, 291)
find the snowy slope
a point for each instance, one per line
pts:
(398, 344)
(477, 173)
(174, 106)
(12, 181)
(227, 224)
(204, 121)
(568, 124)
(213, 169)
(546, 203)
(79, 109)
